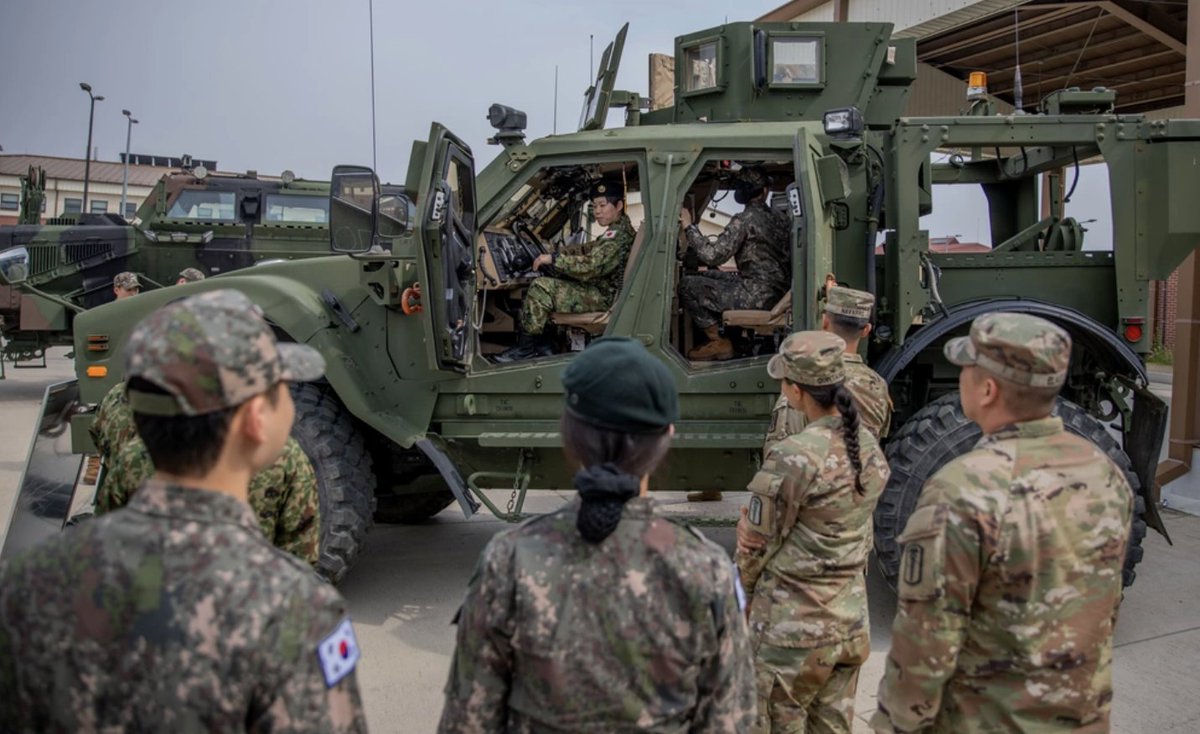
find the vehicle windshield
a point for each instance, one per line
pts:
(297, 208)
(206, 205)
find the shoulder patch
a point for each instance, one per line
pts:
(338, 653)
(609, 234)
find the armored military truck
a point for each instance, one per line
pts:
(434, 274)
(215, 222)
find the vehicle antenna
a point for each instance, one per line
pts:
(591, 60)
(1018, 91)
(371, 30)
(556, 99)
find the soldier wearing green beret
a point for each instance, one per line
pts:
(1010, 565)
(605, 615)
(587, 277)
(803, 545)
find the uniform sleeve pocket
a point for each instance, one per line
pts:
(921, 575)
(764, 510)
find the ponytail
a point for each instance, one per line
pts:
(603, 492)
(850, 423)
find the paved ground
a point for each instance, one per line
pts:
(405, 589)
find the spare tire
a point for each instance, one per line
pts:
(940, 432)
(345, 477)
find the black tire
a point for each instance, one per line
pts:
(345, 478)
(406, 509)
(940, 432)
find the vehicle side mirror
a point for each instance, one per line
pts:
(353, 209)
(397, 213)
(14, 265)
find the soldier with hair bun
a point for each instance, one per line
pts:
(605, 615)
(803, 545)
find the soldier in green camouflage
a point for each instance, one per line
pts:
(847, 314)
(126, 285)
(1010, 566)
(587, 277)
(606, 615)
(113, 426)
(803, 545)
(758, 239)
(189, 275)
(175, 613)
(283, 496)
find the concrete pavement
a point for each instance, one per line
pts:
(410, 580)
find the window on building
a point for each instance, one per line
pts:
(99, 206)
(130, 209)
(72, 206)
(10, 202)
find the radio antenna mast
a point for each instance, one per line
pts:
(371, 23)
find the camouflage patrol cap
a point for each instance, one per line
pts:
(812, 358)
(843, 301)
(127, 281)
(191, 275)
(1017, 347)
(615, 384)
(752, 177)
(610, 189)
(209, 352)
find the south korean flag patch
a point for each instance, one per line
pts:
(338, 653)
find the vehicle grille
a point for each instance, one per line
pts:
(43, 258)
(83, 251)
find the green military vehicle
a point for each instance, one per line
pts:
(215, 222)
(416, 412)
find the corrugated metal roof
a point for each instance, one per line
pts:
(71, 169)
(958, 18)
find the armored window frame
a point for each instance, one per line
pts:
(281, 200)
(818, 41)
(224, 201)
(683, 75)
(10, 202)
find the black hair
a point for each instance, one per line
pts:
(847, 327)
(827, 395)
(612, 464)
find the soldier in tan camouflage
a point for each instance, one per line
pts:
(847, 314)
(606, 615)
(283, 496)
(175, 613)
(189, 275)
(803, 545)
(585, 277)
(758, 239)
(1010, 566)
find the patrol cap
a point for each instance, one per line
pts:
(842, 301)
(615, 384)
(609, 189)
(127, 281)
(1017, 347)
(191, 275)
(209, 352)
(752, 177)
(812, 358)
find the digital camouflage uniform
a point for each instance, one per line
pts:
(191, 275)
(759, 240)
(175, 613)
(113, 426)
(807, 588)
(283, 496)
(869, 389)
(591, 278)
(127, 281)
(641, 632)
(1010, 571)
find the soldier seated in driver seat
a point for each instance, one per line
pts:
(586, 277)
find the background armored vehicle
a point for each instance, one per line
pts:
(410, 320)
(214, 222)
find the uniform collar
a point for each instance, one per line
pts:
(853, 357)
(1039, 428)
(192, 503)
(828, 421)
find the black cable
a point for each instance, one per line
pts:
(1074, 157)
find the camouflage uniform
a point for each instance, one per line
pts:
(592, 274)
(759, 239)
(869, 389)
(283, 496)
(127, 281)
(175, 613)
(808, 608)
(1010, 571)
(640, 632)
(113, 426)
(191, 275)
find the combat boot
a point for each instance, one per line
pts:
(528, 346)
(717, 348)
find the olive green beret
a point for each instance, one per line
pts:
(615, 384)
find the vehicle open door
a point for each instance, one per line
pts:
(812, 241)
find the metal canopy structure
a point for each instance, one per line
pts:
(1137, 48)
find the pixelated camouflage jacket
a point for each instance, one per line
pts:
(600, 262)
(113, 425)
(174, 614)
(758, 238)
(808, 588)
(1010, 577)
(283, 496)
(640, 632)
(870, 393)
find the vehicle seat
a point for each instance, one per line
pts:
(762, 322)
(594, 322)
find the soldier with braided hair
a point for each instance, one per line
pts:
(803, 544)
(605, 615)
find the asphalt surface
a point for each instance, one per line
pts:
(406, 587)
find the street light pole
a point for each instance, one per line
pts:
(87, 159)
(125, 176)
